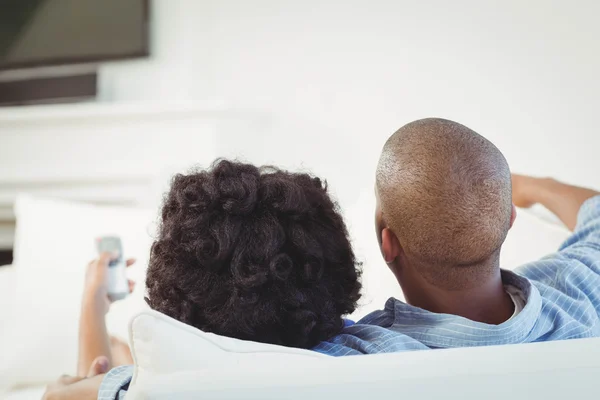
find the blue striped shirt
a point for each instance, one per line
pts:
(562, 294)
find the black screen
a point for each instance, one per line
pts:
(50, 32)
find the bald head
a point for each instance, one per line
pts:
(445, 192)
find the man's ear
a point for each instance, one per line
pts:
(513, 215)
(390, 246)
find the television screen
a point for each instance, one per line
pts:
(54, 32)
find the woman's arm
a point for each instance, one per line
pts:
(93, 336)
(94, 340)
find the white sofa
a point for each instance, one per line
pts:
(174, 361)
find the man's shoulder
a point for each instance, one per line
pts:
(568, 288)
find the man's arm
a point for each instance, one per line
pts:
(574, 270)
(563, 200)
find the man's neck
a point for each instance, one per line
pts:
(488, 302)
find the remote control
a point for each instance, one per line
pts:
(117, 284)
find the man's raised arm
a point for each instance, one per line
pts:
(563, 200)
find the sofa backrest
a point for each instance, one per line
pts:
(215, 367)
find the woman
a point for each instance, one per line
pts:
(251, 253)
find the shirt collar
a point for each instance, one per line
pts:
(446, 330)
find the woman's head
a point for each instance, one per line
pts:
(253, 253)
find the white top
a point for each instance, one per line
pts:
(517, 297)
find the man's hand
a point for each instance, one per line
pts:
(76, 387)
(562, 199)
(95, 289)
(524, 190)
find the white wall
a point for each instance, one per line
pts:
(325, 82)
(321, 84)
(348, 73)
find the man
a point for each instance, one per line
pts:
(444, 210)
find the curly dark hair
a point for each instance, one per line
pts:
(253, 253)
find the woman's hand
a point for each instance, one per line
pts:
(95, 290)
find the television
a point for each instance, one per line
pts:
(35, 33)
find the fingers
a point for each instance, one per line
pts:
(131, 283)
(107, 257)
(96, 269)
(67, 379)
(99, 366)
(102, 262)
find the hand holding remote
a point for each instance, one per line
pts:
(96, 282)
